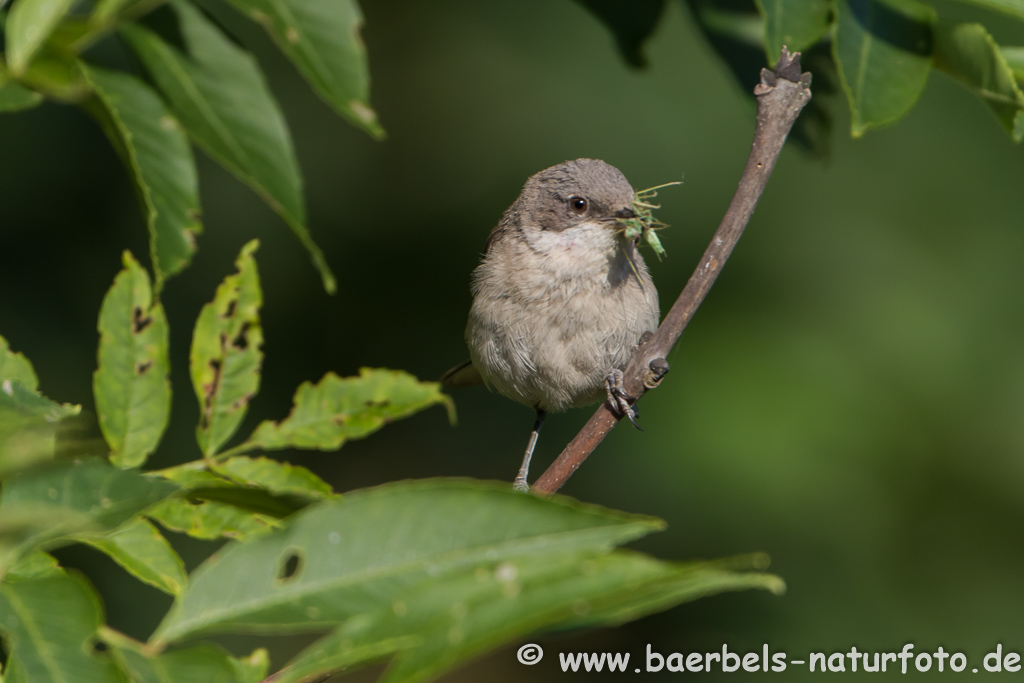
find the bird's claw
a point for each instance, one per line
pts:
(619, 399)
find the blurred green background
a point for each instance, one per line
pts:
(848, 399)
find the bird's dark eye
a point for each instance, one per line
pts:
(578, 204)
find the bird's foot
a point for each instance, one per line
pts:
(657, 369)
(520, 485)
(619, 399)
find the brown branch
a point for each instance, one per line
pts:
(781, 95)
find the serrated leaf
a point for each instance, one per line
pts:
(50, 622)
(205, 662)
(131, 385)
(225, 358)
(29, 24)
(327, 414)
(321, 37)
(969, 54)
(157, 152)
(143, 551)
(276, 477)
(221, 99)
(347, 556)
(797, 24)
(74, 497)
(631, 23)
(883, 49)
(15, 367)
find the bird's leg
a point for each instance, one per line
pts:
(520, 483)
(618, 398)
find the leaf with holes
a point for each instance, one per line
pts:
(143, 551)
(797, 24)
(322, 39)
(353, 555)
(205, 662)
(969, 54)
(74, 497)
(157, 153)
(50, 618)
(328, 414)
(29, 24)
(130, 385)
(438, 625)
(225, 357)
(221, 99)
(883, 49)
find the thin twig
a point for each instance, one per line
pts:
(781, 95)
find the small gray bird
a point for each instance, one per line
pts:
(561, 297)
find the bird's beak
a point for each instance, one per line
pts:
(624, 214)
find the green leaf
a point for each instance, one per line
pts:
(221, 99)
(273, 476)
(14, 97)
(440, 624)
(74, 497)
(29, 24)
(29, 422)
(225, 357)
(631, 23)
(322, 39)
(328, 414)
(969, 54)
(797, 24)
(159, 157)
(57, 75)
(346, 556)
(143, 551)
(240, 498)
(1014, 57)
(209, 520)
(205, 662)
(1014, 8)
(883, 49)
(50, 622)
(131, 385)
(14, 367)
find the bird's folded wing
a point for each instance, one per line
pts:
(462, 375)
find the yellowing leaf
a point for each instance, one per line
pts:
(328, 414)
(225, 357)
